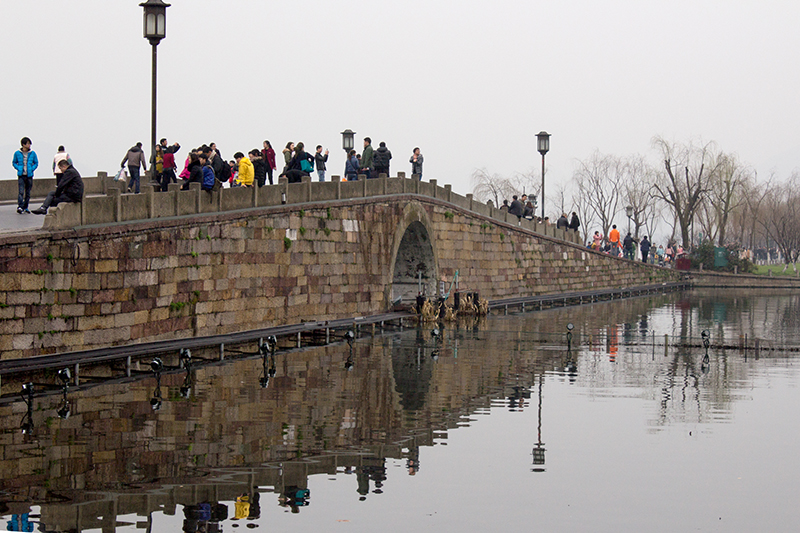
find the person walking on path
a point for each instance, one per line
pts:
(416, 164)
(61, 155)
(627, 246)
(320, 159)
(68, 190)
(367, 164)
(135, 157)
(644, 246)
(562, 222)
(25, 162)
(381, 160)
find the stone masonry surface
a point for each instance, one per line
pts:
(217, 273)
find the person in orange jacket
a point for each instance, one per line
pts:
(613, 238)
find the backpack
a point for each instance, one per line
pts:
(208, 178)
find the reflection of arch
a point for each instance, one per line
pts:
(413, 253)
(412, 369)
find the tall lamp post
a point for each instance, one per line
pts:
(347, 141)
(543, 145)
(629, 213)
(155, 29)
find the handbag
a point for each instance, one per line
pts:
(122, 175)
(306, 166)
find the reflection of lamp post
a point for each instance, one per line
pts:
(347, 141)
(629, 213)
(538, 448)
(155, 29)
(543, 145)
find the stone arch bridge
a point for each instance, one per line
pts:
(122, 268)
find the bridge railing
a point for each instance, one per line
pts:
(112, 205)
(9, 189)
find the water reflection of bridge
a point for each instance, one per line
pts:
(115, 456)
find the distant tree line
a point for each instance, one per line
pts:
(694, 192)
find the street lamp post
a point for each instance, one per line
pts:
(543, 145)
(629, 213)
(347, 141)
(155, 29)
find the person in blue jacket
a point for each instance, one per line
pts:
(25, 162)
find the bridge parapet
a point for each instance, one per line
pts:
(119, 207)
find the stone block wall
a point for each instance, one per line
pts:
(218, 273)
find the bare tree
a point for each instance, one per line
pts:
(727, 191)
(492, 187)
(686, 180)
(638, 179)
(529, 182)
(745, 217)
(781, 218)
(599, 181)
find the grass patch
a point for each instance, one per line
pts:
(777, 270)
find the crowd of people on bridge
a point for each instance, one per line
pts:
(522, 207)
(206, 166)
(255, 168)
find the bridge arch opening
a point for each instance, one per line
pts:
(414, 265)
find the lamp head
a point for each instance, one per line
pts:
(156, 365)
(64, 411)
(64, 376)
(543, 142)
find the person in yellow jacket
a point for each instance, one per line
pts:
(246, 170)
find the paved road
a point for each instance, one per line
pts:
(11, 222)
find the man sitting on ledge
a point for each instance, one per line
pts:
(69, 189)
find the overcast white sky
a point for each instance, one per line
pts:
(469, 82)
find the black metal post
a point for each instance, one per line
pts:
(542, 186)
(153, 98)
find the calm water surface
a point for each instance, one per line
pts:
(499, 425)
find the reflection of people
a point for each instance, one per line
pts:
(412, 463)
(294, 497)
(371, 469)
(241, 508)
(19, 522)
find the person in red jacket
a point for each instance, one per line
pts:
(269, 157)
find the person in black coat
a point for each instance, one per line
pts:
(196, 163)
(516, 208)
(644, 246)
(300, 155)
(381, 159)
(259, 167)
(562, 222)
(69, 189)
(574, 222)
